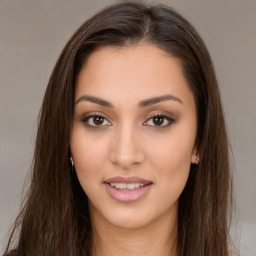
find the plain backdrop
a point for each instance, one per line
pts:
(32, 34)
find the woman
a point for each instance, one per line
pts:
(131, 154)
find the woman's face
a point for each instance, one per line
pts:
(133, 135)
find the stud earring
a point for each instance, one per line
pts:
(197, 159)
(72, 163)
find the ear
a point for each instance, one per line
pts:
(195, 157)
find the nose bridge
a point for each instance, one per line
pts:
(126, 147)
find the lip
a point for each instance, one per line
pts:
(132, 179)
(127, 196)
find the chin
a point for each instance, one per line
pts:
(128, 222)
(123, 217)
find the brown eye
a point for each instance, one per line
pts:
(95, 121)
(160, 121)
(98, 120)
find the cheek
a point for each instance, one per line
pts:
(171, 160)
(171, 152)
(87, 153)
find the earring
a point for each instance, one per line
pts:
(72, 163)
(197, 159)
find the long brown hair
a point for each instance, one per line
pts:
(55, 219)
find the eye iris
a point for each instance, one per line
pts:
(158, 120)
(98, 120)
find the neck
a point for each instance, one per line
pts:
(158, 238)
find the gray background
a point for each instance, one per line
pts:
(32, 34)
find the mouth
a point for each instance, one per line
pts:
(127, 189)
(127, 186)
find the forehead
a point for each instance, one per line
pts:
(131, 73)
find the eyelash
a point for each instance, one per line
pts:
(86, 118)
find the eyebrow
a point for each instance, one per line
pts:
(143, 103)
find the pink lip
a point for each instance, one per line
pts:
(127, 196)
(131, 179)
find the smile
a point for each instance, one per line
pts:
(127, 186)
(127, 189)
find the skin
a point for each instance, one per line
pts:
(128, 142)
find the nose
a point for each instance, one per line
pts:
(126, 148)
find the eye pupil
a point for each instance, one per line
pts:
(98, 120)
(158, 120)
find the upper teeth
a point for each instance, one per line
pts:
(125, 186)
